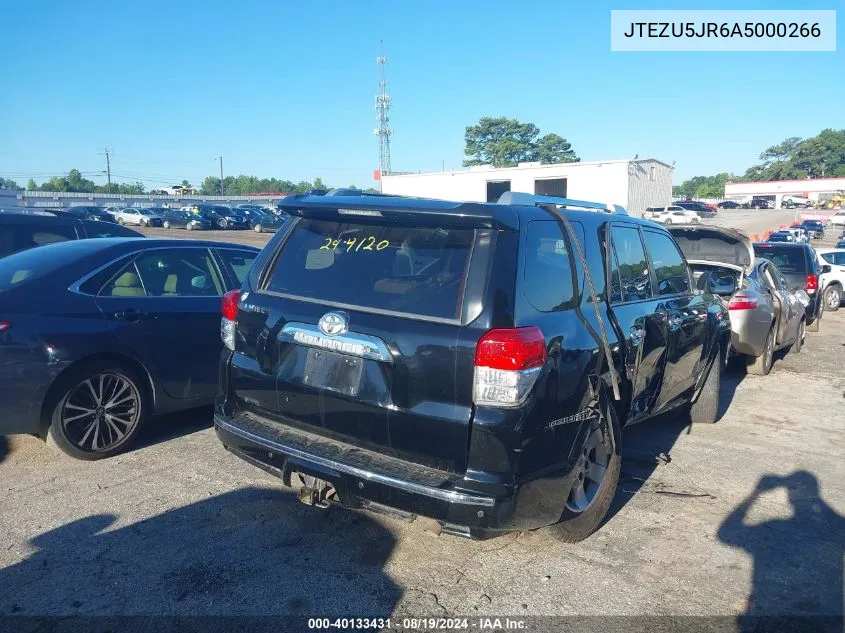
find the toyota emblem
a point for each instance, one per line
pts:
(333, 323)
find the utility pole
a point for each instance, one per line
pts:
(108, 166)
(220, 158)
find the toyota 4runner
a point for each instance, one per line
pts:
(473, 363)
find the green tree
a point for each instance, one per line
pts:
(704, 186)
(503, 142)
(795, 158)
(9, 184)
(552, 149)
(31, 185)
(210, 186)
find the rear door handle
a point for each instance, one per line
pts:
(131, 314)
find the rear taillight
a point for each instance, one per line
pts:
(228, 324)
(506, 365)
(4, 325)
(741, 302)
(812, 284)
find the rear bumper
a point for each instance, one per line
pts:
(23, 387)
(363, 478)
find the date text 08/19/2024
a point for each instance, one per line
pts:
(418, 624)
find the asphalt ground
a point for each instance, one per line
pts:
(747, 517)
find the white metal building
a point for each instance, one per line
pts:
(814, 189)
(635, 184)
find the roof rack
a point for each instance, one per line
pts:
(530, 199)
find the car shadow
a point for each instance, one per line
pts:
(648, 445)
(4, 448)
(162, 428)
(247, 552)
(797, 560)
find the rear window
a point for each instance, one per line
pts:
(416, 270)
(788, 260)
(31, 264)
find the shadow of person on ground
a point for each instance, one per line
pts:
(249, 552)
(797, 560)
(648, 446)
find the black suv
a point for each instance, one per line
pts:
(700, 208)
(468, 362)
(799, 265)
(20, 231)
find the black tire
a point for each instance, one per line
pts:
(799, 341)
(762, 365)
(77, 435)
(189, 226)
(576, 526)
(705, 409)
(166, 224)
(121, 221)
(832, 298)
(223, 224)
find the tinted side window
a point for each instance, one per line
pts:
(670, 269)
(178, 272)
(633, 266)
(237, 263)
(548, 268)
(14, 238)
(615, 278)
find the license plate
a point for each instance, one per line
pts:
(333, 371)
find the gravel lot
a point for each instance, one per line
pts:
(746, 518)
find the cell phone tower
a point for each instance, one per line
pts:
(383, 130)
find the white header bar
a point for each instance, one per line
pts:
(664, 31)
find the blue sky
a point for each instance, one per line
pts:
(286, 89)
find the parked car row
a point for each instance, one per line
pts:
(671, 215)
(203, 217)
(473, 363)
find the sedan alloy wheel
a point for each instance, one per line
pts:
(101, 412)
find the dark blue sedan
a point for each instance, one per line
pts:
(98, 335)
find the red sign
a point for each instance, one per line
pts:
(376, 174)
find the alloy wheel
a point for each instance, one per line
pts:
(100, 412)
(769, 351)
(592, 467)
(834, 298)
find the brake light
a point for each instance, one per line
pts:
(4, 325)
(741, 302)
(228, 324)
(230, 304)
(507, 363)
(812, 284)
